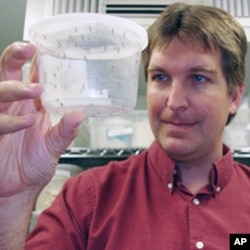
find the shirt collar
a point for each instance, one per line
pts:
(224, 167)
(165, 168)
(163, 165)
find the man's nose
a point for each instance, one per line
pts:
(177, 97)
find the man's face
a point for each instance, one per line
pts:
(188, 101)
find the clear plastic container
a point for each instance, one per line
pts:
(89, 61)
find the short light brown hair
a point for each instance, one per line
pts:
(204, 26)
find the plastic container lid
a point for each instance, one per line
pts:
(93, 32)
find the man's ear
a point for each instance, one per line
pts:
(236, 98)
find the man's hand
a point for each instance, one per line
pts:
(29, 145)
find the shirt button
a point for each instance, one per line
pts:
(199, 245)
(170, 185)
(196, 201)
(218, 189)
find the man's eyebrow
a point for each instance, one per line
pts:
(195, 69)
(204, 69)
(155, 68)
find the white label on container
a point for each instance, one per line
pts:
(64, 173)
(119, 132)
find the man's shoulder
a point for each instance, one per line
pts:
(113, 172)
(242, 168)
(241, 175)
(116, 168)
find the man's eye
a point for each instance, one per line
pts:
(199, 78)
(160, 77)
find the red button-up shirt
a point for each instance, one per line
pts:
(141, 204)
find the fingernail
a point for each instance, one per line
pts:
(34, 87)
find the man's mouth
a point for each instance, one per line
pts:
(179, 127)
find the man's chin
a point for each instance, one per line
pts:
(177, 149)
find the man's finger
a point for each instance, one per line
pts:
(14, 123)
(63, 133)
(13, 58)
(15, 90)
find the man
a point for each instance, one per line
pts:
(184, 192)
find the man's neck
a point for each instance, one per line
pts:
(194, 178)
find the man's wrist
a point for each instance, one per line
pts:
(15, 214)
